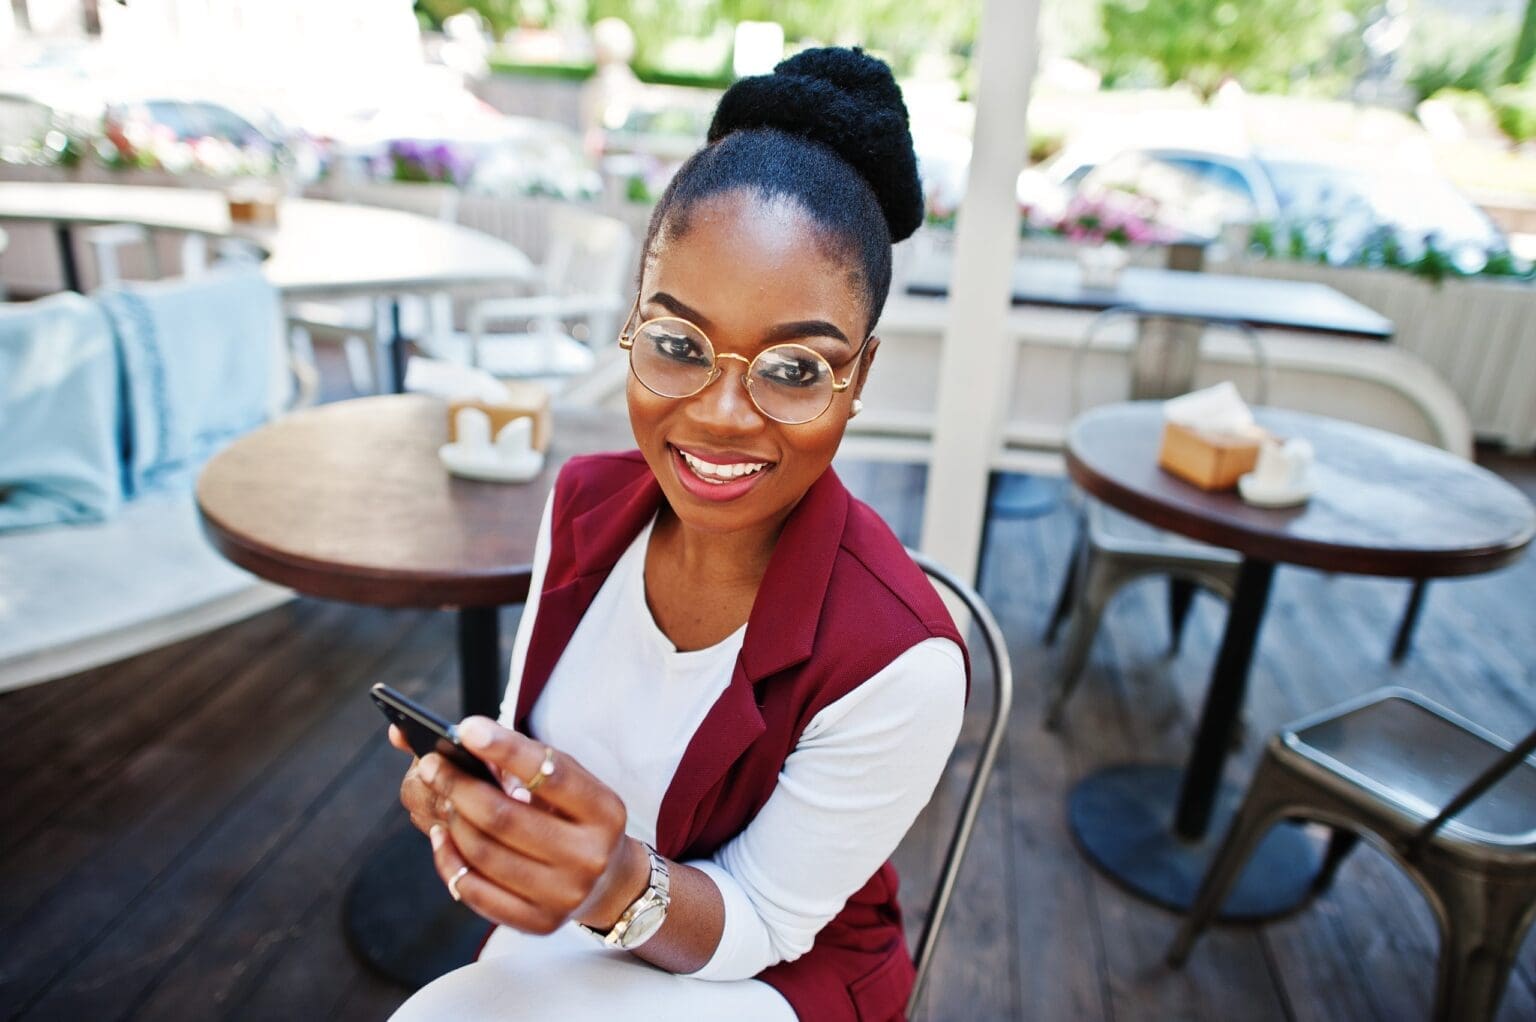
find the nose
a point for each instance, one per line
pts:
(725, 405)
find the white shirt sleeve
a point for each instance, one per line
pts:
(530, 611)
(864, 768)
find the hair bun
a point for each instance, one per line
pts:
(848, 101)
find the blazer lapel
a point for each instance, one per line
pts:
(580, 562)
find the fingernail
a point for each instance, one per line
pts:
(476, 732)
(435, 835)
(429, 769)
(521, 794)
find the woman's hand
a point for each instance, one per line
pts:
(534, 861)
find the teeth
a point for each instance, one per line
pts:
(720, 473)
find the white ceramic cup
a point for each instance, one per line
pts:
(1284, 467)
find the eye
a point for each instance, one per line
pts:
(789, 370)
(676, 347)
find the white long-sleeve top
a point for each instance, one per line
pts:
(625, 703)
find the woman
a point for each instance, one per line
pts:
(732, 691)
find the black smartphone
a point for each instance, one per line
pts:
(426, 732)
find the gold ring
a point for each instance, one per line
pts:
(453, 882)
(545, 769)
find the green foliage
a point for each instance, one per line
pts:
(1202, 43)
(561, 72)
(656, 76)
(1310, 243)
(1524, 59)
(1471, 70)
(1514, 108)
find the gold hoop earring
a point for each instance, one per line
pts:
(858, 406)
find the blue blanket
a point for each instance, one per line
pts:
(59, 411)
(196, 358)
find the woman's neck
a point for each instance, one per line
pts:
(713, 559)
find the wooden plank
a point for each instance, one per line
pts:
(230, 859)
(165, 797)
(1124, 711)
(1057, 938)
(144, 696)
(275, 949)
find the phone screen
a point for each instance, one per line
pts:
(427, 732)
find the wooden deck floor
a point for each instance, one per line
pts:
(180, 827)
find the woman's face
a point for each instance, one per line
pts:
(750, 274)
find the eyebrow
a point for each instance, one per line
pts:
(783, 332)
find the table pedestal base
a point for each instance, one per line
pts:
(399, 919)
(1123, 819)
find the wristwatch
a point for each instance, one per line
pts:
(644, 916)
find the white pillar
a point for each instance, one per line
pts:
(972, 391)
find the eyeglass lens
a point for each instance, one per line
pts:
(787, 382)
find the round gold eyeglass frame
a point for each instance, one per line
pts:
(627, 343)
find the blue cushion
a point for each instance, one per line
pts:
(197, 360)
(59, 408)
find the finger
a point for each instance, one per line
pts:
(538, 883)
(421, 800)
(567, 787)
(397, 739)
(522, 827)
(483, 896)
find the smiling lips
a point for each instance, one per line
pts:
(715, 478)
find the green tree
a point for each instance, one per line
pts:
(1525, 47)
(1202, 43)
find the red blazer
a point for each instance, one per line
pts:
(841, 599)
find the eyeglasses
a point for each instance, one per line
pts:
(789, 383)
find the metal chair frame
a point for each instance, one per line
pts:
(1103, 561)
(1481, 887)
(1002, 701)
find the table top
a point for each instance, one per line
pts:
(317, 247)
(1259, 302)
(1383, 505)
(348, 501)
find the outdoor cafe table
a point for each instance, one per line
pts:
(348, 501)
(1383, 505)
(317, 249)
(1257, 302)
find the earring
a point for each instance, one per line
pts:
(858, 406)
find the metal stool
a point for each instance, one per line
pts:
(1379, 767)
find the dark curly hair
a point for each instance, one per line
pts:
(826, 130)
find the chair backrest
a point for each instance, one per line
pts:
(1002, 700)
(1165, 352)
(590, 256)
(1473, 791)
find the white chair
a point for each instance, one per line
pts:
(106, 243)
(363, 326)
(577, 311)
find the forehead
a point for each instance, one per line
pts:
(747, 262)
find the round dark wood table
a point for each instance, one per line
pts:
(349, 502)
(1383, 505)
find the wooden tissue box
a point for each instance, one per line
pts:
(252, 210)
(523, 400)
(1211, 461)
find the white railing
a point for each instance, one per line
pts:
(1479, 335)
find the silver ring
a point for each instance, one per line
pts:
(453, 882)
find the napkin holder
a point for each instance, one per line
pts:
(252, 206)
(1209, 460)
(524, 400)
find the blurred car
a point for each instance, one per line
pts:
(1200, 191)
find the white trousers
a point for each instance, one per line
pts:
(571, 977)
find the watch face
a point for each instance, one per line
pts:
(647, 922)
